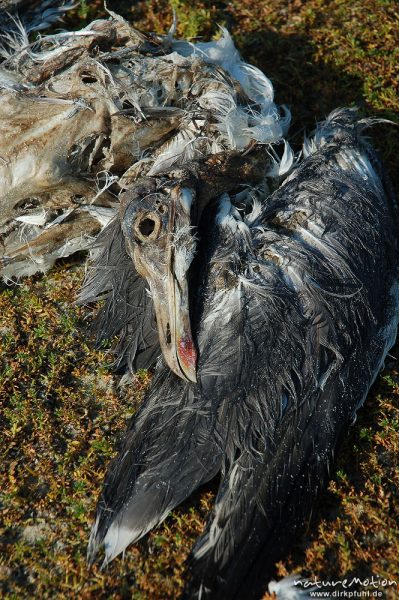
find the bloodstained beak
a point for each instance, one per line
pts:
(181, 354)
(162, 246)
(169, 291)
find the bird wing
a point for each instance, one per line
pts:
(328, 236)
(127, 310)
(177, 440)
(171, 447)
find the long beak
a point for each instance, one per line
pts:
(170, 295)
(165, 263)
(176, 338)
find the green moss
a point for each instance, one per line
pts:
(191, 20)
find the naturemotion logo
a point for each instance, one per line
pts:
(354, 587)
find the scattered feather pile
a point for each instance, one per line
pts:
(254, 283)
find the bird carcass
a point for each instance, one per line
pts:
(287, 317)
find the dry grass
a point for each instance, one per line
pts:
(61, 412)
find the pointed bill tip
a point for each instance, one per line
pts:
(187, 357)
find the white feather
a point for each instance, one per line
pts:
(285, 589)
(102, 214)
(186, 200)
(34, 218)
(180, 148)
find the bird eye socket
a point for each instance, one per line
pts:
(147, 227)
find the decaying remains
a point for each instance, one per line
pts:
(84, 114)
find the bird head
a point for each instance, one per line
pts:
(156, 216)
(159, 215)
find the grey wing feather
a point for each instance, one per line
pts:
(171, 447)
(331, 231)
(262, 504)
(127, 310)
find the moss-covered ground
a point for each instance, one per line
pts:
(62, 411)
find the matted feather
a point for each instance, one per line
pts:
(127, 309)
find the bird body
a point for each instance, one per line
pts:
(327, 326)
(291, 331)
